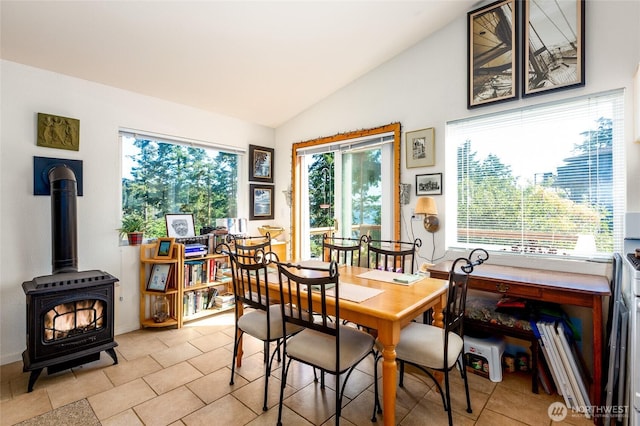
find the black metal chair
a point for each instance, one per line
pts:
(247, 246)
(428, 347)
(345, 251)
(321, 344)
(397, 256)
(264, 322)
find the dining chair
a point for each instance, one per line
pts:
(396, 256)
(247, 246)
(345, 251)
(322, 344)
(428, 347)
(249, 276)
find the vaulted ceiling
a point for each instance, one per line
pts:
(260, 61)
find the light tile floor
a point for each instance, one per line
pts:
(181, 377)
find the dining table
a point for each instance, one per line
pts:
(385, 302)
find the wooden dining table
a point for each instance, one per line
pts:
(387, 313)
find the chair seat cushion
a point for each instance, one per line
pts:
(255, 324)
(318, 349)
(423, 344)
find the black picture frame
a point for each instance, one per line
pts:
(159, 277)
(553, 46)
(429, 184)
(261, 202)
(492, 53)
(180, 225)
(260, 164)
(164, 248)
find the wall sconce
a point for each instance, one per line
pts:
(427, 207)
(405, 189)
(287, 195)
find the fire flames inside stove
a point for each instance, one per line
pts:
(72, 319)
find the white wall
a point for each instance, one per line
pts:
(25, 229)
(426, 87)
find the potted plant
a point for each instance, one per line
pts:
(132, 226)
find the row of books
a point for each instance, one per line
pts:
(565, 364)
(199, 300)
(198, 272)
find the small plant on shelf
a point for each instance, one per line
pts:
(133, 226)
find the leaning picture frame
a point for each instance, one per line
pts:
(159, 277)
(261, 202)
(429, 184)
(420, 148)
(260, 164)
(492, 53)
(553, 46)
(164, 248)
(180, 225)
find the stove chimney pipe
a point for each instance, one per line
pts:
(63, 187)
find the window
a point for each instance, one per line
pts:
(162, 175)
(547, 179)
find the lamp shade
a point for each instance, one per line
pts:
(426, 206)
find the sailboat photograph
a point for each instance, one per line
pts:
(492, 53)
(554, 45)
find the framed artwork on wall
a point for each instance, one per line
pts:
(420, 147)
(260, 164)
(553, 46)
(180, 225)
(492, 54)
(261, 202)
(430, 184)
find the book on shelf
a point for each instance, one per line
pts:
(224, 300)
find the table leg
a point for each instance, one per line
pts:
(388, 336)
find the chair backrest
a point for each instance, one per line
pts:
(249, 276)
(396, 256)
(345, 251)
(299, 285)
(457, 291)
(248, 246)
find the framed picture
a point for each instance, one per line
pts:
(430, 184)
(420, 147)
(159, 277)
(180, 225)
(553, 53)
(261, 202)
(164, 248)
(492, 67)
(260, 164)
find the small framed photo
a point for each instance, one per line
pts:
(420, 147)
(164, 248)
(261, 202)
(430, 184)
(260, 164)
(159, 277)
(553, 54)
(180, 225)
(492, 53)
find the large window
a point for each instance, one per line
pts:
(547, 179)
(162, 175)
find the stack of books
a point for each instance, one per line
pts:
(224, 300)
(191, 250)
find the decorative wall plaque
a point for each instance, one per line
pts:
(59, 132)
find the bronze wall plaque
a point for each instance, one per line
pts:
(55, 131)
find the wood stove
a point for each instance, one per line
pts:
(70, 314)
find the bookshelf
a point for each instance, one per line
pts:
(192, 282)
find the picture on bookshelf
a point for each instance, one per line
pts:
(159, 277)
(164, 248)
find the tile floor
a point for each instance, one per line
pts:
(181, 377)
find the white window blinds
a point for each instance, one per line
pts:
(546, 179)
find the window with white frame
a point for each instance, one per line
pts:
(163, 175)
(545, 179)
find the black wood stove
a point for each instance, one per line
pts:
(70, 314)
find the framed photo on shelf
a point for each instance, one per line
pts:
(492, 54)
(430, 184)
(159, 277)
(261, 202)
(420, 147)
(553, 46)
(180, 225)
(164, 248)
(260, 164)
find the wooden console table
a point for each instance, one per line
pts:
(547, 286)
